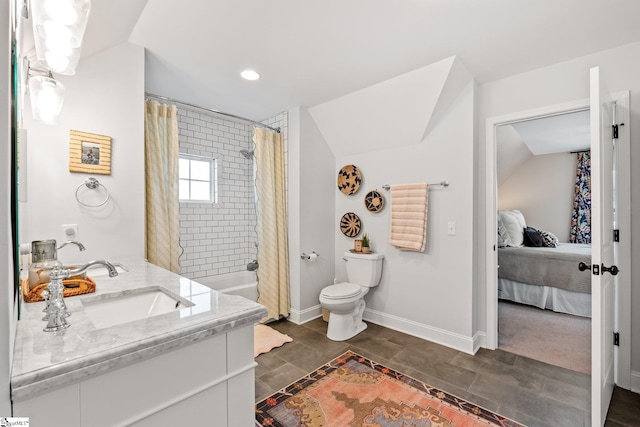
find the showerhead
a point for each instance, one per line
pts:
(247, 154)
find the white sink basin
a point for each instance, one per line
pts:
(124, 307)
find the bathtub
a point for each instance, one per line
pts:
(243, 283)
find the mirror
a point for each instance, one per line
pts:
(15, 159)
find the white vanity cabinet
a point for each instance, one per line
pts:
(207, 382)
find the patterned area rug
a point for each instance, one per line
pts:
(354, 391)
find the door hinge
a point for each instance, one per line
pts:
(616, 338)
(615, 130)
(616, 235)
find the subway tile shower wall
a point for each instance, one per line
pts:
(219, 238)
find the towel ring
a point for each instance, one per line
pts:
(92, 184)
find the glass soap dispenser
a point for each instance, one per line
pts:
(44, 257)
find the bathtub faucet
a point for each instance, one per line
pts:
(253, 265)
(56, 310)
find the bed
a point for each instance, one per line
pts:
(535, 268)
(546, 277)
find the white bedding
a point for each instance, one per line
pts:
(545, 297)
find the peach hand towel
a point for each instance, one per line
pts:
(409, 203)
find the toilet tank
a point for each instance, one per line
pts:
(364, 269)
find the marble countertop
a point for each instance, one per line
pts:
(44, 360)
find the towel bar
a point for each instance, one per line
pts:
(442, 183)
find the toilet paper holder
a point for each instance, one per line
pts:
(307, 256)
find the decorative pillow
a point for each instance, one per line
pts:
(548, 239)
(519, 217)
(501, 242)
(532, 238)
(503, 234)
(511, 227)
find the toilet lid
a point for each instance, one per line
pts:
(341, 290)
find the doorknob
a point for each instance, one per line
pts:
(596, 268)
(582, 266)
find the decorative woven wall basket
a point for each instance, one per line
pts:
(350, 224)
(349, 179)
(374, 201)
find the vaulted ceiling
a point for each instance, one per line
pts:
(518, 142)
(311, 52)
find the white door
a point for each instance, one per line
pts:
(603, 254)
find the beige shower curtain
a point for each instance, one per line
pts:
(161, 181)
(273, 249)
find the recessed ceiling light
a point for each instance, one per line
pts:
(250, 75)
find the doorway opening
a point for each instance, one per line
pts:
(544, 305)
(623, 323)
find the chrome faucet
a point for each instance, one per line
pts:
(72, 242)
(56, 310)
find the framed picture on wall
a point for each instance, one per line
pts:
(89, 153)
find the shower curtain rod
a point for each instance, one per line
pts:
(164, 98)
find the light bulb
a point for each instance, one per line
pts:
(58, 48)
(60, 24)
(57, 63)
(57, 34)
(46, 117)
(61, 11)
(46, 96)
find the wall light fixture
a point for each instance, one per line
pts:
(46, 95)
(58, 29)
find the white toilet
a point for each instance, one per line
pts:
(345, 301)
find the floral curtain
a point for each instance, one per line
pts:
(581, 218)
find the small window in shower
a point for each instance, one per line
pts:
(197, 179)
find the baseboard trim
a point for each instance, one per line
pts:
(450, 339)
(479, 341)
(635, 381)
(303, 316)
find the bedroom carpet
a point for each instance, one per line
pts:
(555, 338)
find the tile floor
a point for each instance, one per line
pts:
(531, 392)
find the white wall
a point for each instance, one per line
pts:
(317, 184)
(542, 189)
(403, 108)
(7, 323)
(426, 294)
(105, 97)
(294, 212)
(311, 214)
(560, 83)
